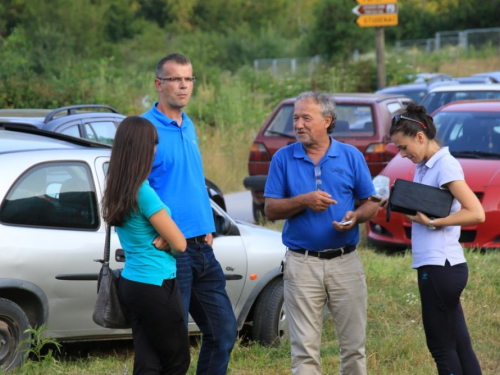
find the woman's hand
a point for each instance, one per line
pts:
(419, 218)
(161, 244)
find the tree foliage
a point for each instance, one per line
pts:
(48, 48)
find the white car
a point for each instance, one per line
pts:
(51, 230)
(441, 95)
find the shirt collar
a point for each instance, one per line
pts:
(164, 119)
(434, 158)
(300, 153)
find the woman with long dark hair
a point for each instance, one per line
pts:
(437, 253)
(148, 286)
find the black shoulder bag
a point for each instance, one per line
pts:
(409, 197)
(108, 311)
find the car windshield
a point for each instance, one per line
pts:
(437, 99)
(352, 120)
(470, 134)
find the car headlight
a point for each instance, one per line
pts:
(382, 186)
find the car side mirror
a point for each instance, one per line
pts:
(223, 226)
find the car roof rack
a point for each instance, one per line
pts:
(71, 110)
(22, 128)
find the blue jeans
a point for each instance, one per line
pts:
(203, 290)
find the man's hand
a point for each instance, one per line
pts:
(349, 216)
(160, 243)
(318, 200)
(209, 239)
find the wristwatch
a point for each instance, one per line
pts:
(431, 224)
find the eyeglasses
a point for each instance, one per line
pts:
(317, 174)
(178, 79)
(396, 120)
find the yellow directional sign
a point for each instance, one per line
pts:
(365, 2)
(377, 20)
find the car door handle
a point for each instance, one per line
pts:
(120, 255)
(78, 276)
(233, 277)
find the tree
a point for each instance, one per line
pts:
(335, 34)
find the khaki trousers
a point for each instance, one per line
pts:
(309, 284)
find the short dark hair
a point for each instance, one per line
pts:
(327, 106)
(130, 165)
(176, 57)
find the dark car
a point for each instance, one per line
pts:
(363, 121)
(473, 79)
(471, 130)
(494, 76)
(416, 91)
(90, 121)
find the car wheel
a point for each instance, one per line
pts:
(258, 212)
(270, 323)
(13, 323)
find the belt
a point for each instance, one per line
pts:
(197, 239)
(327, 253)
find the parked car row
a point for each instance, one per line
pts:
(420, 90)
(51, 230)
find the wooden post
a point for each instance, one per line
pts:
(380, 53)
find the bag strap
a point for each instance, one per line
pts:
(105, 260)
(388, 209)
(107, 243)
(105, 257)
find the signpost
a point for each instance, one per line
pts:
(378, 14)
(381, 20)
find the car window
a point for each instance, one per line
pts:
(354, 120)
(282, 123)
(53, 195)
(104, 131)
(394, 107)
(469, 132)
(437, 99)
(73, 130)
(416, 95)
(90, 133)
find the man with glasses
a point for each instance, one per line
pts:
(313, 184)
(177, 176)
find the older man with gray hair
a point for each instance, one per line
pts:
(313, 184)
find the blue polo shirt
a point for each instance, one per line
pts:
(177, 174)
(344, 175)
(145, 263)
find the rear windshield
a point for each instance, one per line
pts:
(437, 99)
(352, 121)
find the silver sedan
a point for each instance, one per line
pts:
(51, 230)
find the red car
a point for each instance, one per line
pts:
(363, 120)
(471, 130)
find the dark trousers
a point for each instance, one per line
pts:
(203, 288)
(161, 343)
(444, 323)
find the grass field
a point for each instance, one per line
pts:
(396, 343)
